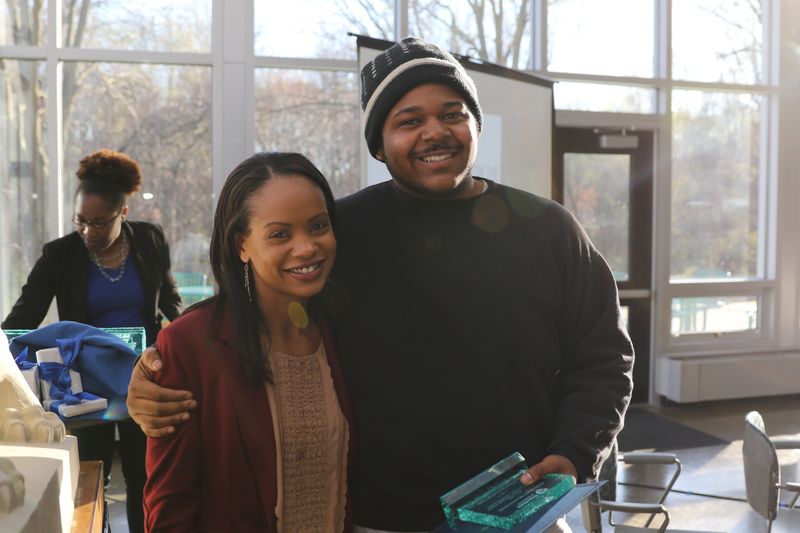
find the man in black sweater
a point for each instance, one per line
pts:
(473, 320)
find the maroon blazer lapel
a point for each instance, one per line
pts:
(254, 421)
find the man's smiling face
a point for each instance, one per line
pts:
(430, 142)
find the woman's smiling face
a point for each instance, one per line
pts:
(291, 246)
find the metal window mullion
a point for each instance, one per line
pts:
(24, 52)
(233, 94)
(662, 304)
(663, 39)
(135, 56)
(54, 198)
(306, 63)
(539, 33)
(217, 104)
(767, 181)
(766, 259)
(784, 67)
(568, 118)
(659, 83)
(721, 87)
(603, 78)
(249, 79)
(401, 8)
(680, 289)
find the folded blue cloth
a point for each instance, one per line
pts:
(103, 360)
(22, 360)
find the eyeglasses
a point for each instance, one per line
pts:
(82, 224)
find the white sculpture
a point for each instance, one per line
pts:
(22, 418)
(38, 491)
(12, 487)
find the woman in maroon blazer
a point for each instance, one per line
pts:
(269, 445)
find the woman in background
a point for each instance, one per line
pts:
(109, 272)
(269, 445)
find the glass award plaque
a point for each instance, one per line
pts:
(135, 338)
(496, 497)
(11, 333)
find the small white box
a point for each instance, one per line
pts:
(32, 379)
(53, 355)
(86, 406)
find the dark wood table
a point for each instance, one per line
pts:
(89, 499)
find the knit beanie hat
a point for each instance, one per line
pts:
(407, 64)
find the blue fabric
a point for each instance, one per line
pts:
(116, 304)
(103, 360)
(22, 360)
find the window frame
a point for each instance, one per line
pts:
(233, 62)
(665, 290)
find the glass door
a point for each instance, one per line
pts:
(605, 177)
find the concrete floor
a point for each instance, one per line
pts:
(709, 495)
(115, 499)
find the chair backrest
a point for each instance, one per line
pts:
(761, 470)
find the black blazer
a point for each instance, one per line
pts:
(63, 271)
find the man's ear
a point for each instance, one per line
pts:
(379, 155)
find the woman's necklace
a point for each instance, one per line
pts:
(117, 258)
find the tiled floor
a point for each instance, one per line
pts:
(710, 494)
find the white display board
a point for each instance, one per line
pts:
(516, 144)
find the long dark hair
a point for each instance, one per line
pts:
(231, 224)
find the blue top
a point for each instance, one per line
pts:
(116, 304)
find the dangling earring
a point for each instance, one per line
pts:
(247, 281)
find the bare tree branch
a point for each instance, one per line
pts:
(373, 15)
(519, 31)
(477, 7)
(75, 41)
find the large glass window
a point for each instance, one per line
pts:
(313, 112)
(727, 314)
(603, 97)
(161, 116)
(593, 37)
(596, 191)
(175, 26)
(23, 22)
(718, 40)
(606, 56)
(23, 172)
(319, 28)
(715, 185)
(495, 31)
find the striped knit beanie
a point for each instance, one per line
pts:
(405, 65)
